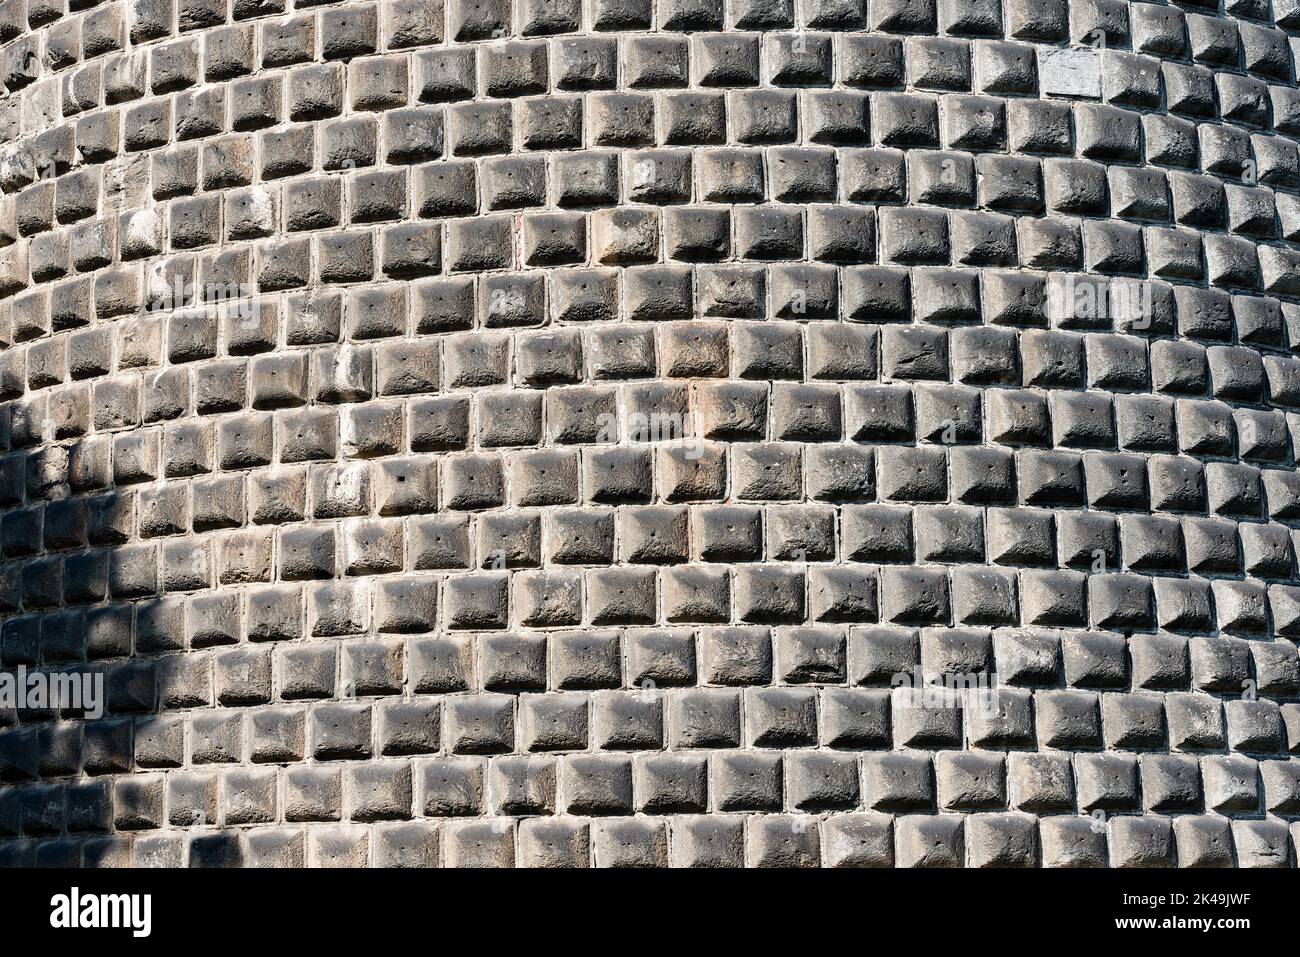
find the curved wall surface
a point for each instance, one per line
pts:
(621, 432)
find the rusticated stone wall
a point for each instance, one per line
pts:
(565, 431)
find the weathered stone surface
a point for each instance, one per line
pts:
(494, 432)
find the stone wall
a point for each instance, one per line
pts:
(566, 432)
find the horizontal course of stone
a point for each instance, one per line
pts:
(564, 432)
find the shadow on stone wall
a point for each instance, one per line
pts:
(84, 628)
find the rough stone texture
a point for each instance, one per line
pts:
(617, 396)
